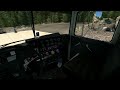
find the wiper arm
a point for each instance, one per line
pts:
(11, 43)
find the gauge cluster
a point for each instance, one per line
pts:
(49, 48)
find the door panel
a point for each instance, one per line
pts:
(92, 56)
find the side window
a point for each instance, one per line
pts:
(91, 25)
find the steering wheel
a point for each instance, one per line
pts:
(33, 62)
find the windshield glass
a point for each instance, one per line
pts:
(98, 25)
(17, 25)
(52, 22)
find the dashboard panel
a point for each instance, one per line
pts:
(49, 47)
(38, 54)
(9, 66)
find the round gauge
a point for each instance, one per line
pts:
(47, 53)
(57, 50)
(52, 52)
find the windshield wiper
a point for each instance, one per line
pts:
(11, 43)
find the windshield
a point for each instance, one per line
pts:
(98, 25)
(17, 25)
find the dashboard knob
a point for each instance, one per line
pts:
(41, 55)
(47, 53)
(52, 52)
(57, 50)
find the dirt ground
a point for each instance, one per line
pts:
(94, 34)
(63, 28)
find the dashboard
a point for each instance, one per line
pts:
(49, 47)
(38, 55)
(45, 57)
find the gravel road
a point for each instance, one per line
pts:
(63, 28)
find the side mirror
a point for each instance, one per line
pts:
(37, 34)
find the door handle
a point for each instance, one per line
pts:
(88, 48)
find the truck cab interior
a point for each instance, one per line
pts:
(62, 56)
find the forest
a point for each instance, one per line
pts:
(18, 18)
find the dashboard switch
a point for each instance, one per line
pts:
(57, 50)
(52, 52)
(47, 53)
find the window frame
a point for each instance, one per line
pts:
(113, 36)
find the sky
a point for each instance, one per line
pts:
(98, 14)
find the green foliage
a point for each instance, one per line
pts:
(111, 14)
(51, 17)
(64, 18)
(18, 18)
(85, 16)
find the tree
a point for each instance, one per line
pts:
(64, 17)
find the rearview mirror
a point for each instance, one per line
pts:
(37, 34)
